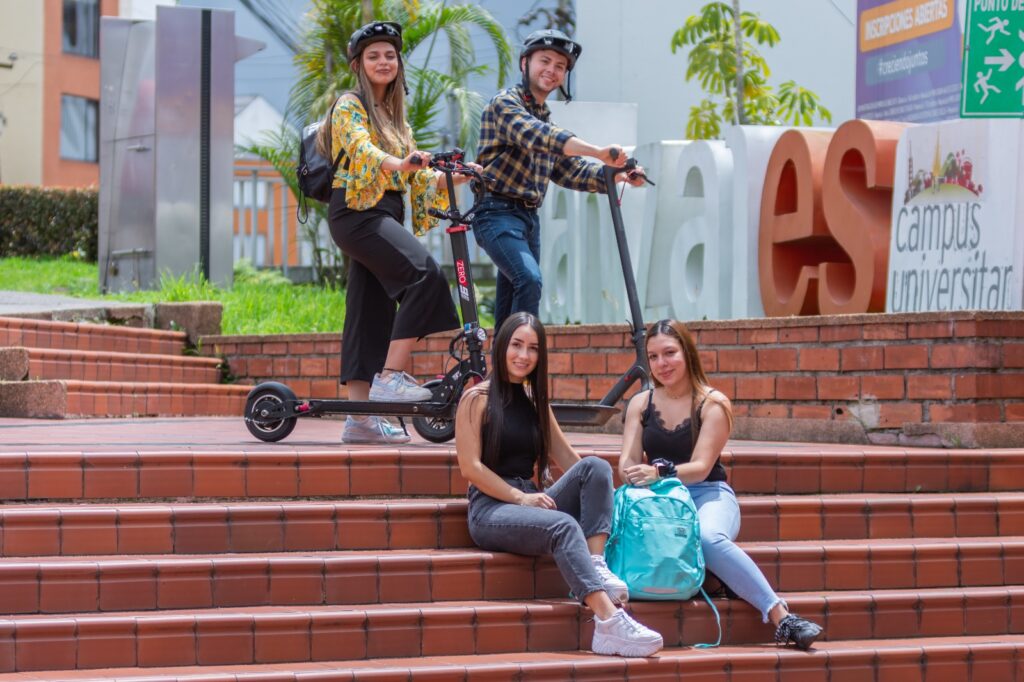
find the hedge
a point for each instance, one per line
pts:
(41, 221)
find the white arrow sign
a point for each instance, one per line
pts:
(1005, 59)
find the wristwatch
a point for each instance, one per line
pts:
(665, 467)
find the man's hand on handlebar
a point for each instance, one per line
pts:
(636, 176)
(612, 155)
(461, 178)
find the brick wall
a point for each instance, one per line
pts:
(954, 379)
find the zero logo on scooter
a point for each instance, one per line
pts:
(460, 274)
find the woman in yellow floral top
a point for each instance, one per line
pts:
(388, 267)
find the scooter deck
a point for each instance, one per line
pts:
(583, 414)
(361, 407)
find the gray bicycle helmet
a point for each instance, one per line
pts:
(551, 39)
(375, 31)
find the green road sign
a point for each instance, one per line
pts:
(993, 81)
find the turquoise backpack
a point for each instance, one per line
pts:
(655, 543)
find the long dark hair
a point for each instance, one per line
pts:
(500, 396)
(699, 387)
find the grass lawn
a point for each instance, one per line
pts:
(259, 302)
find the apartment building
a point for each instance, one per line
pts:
(50, 88)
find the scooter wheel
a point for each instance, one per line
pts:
(434, 429)
(264, 397)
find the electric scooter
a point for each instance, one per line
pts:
(272, 409)
(591, 414)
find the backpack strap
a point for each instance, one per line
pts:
(718, 622)
(330, 125)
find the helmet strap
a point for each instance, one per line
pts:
(528, 93)
(566, 88)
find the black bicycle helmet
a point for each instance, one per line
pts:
(375, 31)
(551, 39)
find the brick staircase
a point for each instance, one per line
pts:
(64, 370)
(355, 564)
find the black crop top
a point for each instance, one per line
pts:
(675, 445)
(520, 438)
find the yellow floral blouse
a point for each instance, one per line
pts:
(364, 180)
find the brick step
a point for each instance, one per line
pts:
(18, 364)
(83, 336)
(275, 635)
(69, 399)
(430, 470)
(945, 659)
(65, 584)
(239, 526)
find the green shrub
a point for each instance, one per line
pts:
(41, 221)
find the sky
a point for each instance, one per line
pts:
(270, 73)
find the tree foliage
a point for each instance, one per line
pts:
(323, 63)
(710, 38)
(324, 75)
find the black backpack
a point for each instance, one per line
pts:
(315, 172)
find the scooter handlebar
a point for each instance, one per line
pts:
(629, 168)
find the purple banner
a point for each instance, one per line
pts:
(909, 57)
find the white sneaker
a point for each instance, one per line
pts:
(398, 387)
(372, 430)
(620, 635)
(617, 590)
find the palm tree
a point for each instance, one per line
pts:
(323, 62)
(320, 54)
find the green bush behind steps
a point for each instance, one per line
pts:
(38, 221)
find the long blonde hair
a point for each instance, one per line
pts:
(387, 120)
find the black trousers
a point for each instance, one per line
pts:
(389, 269)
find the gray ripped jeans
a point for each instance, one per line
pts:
(583, 496)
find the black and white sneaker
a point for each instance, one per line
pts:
(799, 631)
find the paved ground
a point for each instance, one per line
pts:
(25, 303)
(230, 434)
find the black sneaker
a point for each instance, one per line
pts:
(795, 629)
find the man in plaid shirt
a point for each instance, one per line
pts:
(520, 151)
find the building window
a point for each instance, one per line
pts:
(79, 128)
(82, 27)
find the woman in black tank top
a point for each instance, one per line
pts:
(679, 428)
(504, 435)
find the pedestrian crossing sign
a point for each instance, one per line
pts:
(993, 77)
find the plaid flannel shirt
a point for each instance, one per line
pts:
(521, 151)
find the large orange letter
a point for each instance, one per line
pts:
(857, 196)
(794, 238)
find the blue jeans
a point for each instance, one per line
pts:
(510, 234)
(583, 496)
(719, 515)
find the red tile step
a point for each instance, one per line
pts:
(137, 529)
(274, 635)
(231, 526)
(68, 399)
(85, 365)
(83, 336)
(364, 471)
(62, 584)
(940, 659)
